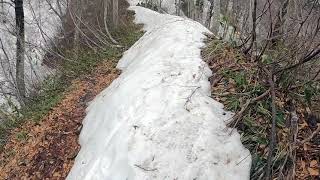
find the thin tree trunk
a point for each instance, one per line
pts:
(209, 14)
(278, 27)
(254, 25)
(20, 49)
(2, 15)
(105, 16)
(272, 139)
(76, 42)
(179, 7)
(59, 7)
(176, 6)
(115, 15)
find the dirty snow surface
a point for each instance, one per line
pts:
(157, 121)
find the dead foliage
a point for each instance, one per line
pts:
(242, 86)
(46, 150)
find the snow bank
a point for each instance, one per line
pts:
(168, 5)
(157, 121)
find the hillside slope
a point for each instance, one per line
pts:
(43, 143)
(157, 121)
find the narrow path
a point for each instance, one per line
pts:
(156, 120)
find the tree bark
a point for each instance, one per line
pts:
(115, 13)
(20, 49)
(278, 27)
(76, 40)
(254, 26)
(105, 19)
(209, 14)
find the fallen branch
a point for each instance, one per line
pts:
(145, 169)
(316, 132)
(311, 56)
(239, 115)
(215, 82)
(189, 98)
(230, 93)
(243, 159)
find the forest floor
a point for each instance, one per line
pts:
(47, 149)
(243, 88)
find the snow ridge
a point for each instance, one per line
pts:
(157, 121)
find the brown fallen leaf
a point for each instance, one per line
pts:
(314, 164)
(313, 171)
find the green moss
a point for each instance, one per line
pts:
(22, 136)
(49, 95)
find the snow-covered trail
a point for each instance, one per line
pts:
(157, 121)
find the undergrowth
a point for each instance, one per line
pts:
(242, 86)
(51, 90)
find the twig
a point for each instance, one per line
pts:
(311, 56)
(315, 77)
(311, 136)
(189, 98)
(243, 159)
(145, 169)
(230, 93)
(239, 115)
(216, 81)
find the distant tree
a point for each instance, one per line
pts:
(78, 13)
(115, 13)
(210, 14)
(20, 49)
(105, 19)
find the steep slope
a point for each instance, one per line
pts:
(157, 121)
(44, 142)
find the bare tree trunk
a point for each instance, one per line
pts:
(215, 21)
(2, 11)
(105, 16)
(115, 13)
(20, 49)
(78, 12)
(209, 14)
(59, 7)
(272, 139)
(254, 25)
(176, 6)
(278, 27)
(224, 7)
(179, 7)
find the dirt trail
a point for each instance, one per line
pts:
(51, 145)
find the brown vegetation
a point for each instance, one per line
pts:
(244, 87)
(47, 149)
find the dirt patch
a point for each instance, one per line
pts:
(47, 149)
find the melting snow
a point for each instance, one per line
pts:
(157, 121)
